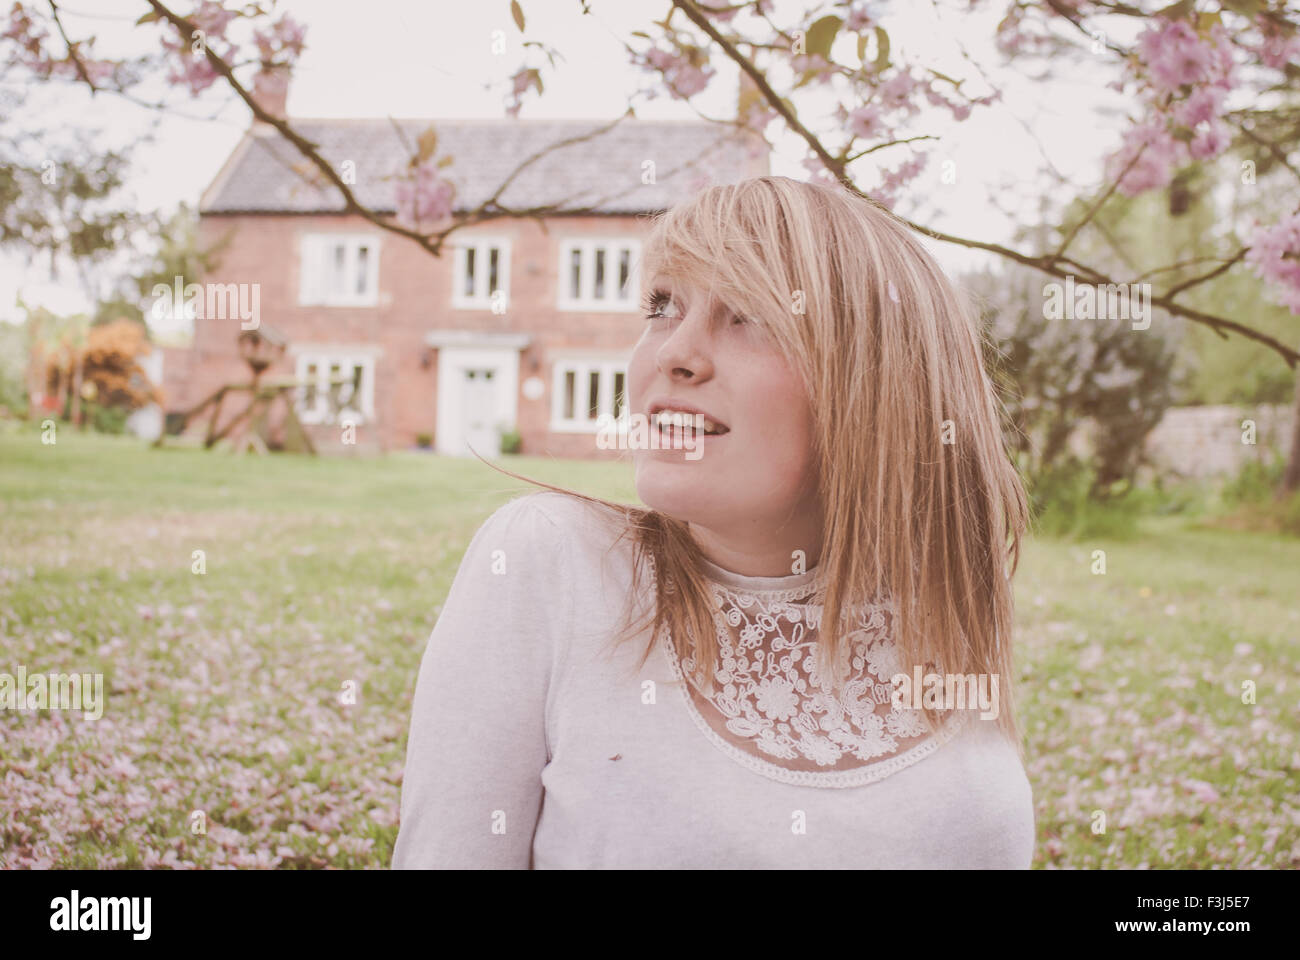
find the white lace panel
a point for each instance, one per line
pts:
(772, 708)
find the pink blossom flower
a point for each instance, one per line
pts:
(683, 78)
(866, 121)
(1175, 56)
(897, 91)
(689, 80)
(858, 19)
(1274, 255)
(285, 37)
(1210, 142)
(815, 63)
(660, 59)
(1161, 154)
(1201, 106)
(212, 18)
(423, 198)
(1277, 49)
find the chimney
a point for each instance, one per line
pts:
(271, 91)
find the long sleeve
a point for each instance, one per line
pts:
(472, 791)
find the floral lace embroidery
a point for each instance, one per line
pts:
(771, 699)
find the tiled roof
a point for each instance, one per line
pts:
(266, 172)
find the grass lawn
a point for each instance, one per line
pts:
(223, 688)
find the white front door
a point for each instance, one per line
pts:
(478, 387)
(478, 411)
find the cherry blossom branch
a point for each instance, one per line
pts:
(72, 48)
(889, 143)
(1096, 207)
(1210, 275)
(1051, 265)
(431, 242)
(304, 146)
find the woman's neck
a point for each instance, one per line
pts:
(759, 550)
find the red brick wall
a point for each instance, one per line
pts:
(414, 298)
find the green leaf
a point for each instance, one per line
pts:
(862, 47)
(1176, 11)
(428, 144)
(882, 55)
(822, 34)
(1247, 8)
(445, 162)
(517, 12)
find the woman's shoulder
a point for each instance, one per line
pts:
(552, 520)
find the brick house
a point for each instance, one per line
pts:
(519, 325)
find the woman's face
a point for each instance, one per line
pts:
(755, 476)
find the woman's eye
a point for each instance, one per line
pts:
(659, 305)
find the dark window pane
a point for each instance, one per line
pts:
(618, 395)
(575, 274)
(494, 256)
(338, 282)
(593, 395)
(309, 395)
(469, 272)
(600, 274)
(363, 268)
(354, 398)
(624, 272)
(570, 379)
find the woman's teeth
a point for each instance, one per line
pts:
(687, 422)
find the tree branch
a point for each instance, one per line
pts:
(1051, 265)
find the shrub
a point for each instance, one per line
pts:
(108, 419)
(1255, 482)
(1065, 381)
(1064, 503)
(511, 441)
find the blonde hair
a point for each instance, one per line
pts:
(922, 503)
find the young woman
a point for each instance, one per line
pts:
(727, 679)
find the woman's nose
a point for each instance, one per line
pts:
(686, 356)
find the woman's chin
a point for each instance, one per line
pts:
(678, 490)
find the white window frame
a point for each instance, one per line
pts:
(324, 357)
(611, 302)
(316, 261)
(582, 368)
(481, 298)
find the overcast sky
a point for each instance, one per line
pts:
(434, 59)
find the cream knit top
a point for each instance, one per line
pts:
(536, 742)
